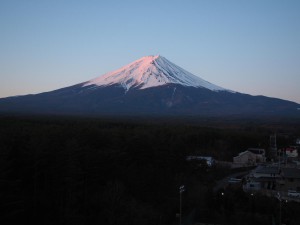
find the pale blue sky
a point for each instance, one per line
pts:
(248, 46)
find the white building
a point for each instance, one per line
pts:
(250, 157)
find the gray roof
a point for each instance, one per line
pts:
(267, 169)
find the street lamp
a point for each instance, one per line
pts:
(279, 198)
(181, 190)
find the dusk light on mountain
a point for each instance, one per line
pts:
(246, 46)
(151, 85)
(138, 112)
(151, 71)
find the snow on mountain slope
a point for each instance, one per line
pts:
(151, 71)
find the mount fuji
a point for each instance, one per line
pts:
(151, 71)
(151, 85)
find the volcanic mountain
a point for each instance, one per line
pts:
(151, 71)
(151, 85)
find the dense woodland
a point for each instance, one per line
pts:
(101, 171)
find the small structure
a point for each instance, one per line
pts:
(291, 151)
(263, 178)
(298, 141)
(250, 157)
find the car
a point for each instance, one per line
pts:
(292, 193)
(234, 180)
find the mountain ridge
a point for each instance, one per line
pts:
(130, 91)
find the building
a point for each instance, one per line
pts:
(291, 151)
(271, 180)
(250, 157)
(263, 178)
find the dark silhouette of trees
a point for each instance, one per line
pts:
(92, 171)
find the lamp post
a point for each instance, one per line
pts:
(181, 190)
(279, 198)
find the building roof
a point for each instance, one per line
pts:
(243, 153)
(267, 170)
(255, 151)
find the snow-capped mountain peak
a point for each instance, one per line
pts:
(167, 89)
(151, 71)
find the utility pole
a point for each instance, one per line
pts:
(181, 190)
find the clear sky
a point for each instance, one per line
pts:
(250, 46)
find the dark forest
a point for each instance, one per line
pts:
(101, 171)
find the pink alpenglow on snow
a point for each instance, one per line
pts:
(151, 71)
